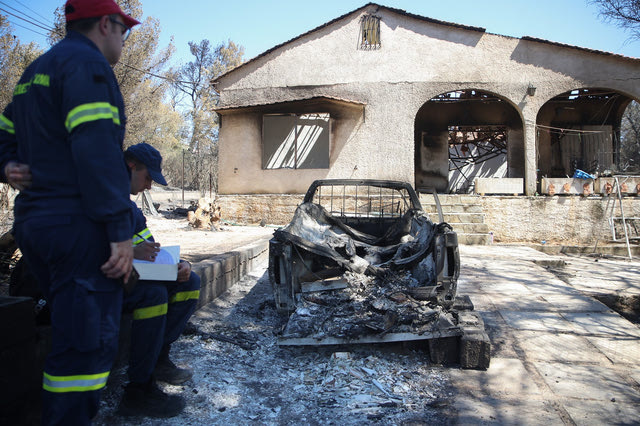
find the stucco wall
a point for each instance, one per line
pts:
(417, 61)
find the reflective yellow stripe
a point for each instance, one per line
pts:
(80, 383)
(139, 237)
(150, 312)
(183, 296)
(91, 112)
(39, 79)
(7, 125)
(21, 89)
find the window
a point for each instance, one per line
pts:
(370, 32)
(295, 141)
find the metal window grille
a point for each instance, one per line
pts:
(370, 32)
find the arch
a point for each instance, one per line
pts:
(580, 129)
(464, 134)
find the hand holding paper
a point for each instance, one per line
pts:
(163, 268)
(146, 250)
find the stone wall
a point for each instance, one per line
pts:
(560, 219)
(272, 209)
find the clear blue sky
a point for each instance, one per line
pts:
(259, 25)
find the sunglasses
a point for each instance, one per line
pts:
(125, 30)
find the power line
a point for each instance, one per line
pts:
(30, 29)
(49, 29)
(155, 75)
(565, 130)
(34, 21)
(24, 5)
(24, 19)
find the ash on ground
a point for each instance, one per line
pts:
(242, 377)
(367, 306)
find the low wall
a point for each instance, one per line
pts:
(559, 219)
(273, 209)
(219, 273)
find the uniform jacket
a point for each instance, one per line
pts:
(140, 230)
(67, 122)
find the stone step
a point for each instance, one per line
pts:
(463, 212)
(470, 228)
(457, 217)
(473, 239)
(426, 199)
(453, 208)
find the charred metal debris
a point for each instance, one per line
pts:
(361, 262)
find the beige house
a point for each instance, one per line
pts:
(385, 94)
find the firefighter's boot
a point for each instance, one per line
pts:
(166, 371)
(148, 400)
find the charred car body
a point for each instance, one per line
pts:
(361, 262)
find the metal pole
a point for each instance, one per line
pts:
(624, 223)
(183, 178)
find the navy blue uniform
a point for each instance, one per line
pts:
(160, 311)
(66, 121)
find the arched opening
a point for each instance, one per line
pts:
(581, 130)
(463, 135)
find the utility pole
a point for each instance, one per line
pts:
(183, 178)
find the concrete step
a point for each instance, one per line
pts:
(470, 228)
(426, 199)
(453, 208)
(473, 239)
(452, 218)
(463, 212)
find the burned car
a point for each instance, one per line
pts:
(362, 262)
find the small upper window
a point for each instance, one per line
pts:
(370, 32)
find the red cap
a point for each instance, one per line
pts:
(80, 9)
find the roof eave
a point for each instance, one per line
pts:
(349, 103)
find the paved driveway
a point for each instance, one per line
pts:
(558, 355)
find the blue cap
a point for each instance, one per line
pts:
(150, 157)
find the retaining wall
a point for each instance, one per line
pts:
(559, 219)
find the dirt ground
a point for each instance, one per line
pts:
(170, 228)
(199, 244)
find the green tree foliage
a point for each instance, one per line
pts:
(195, 95)
(172, 109)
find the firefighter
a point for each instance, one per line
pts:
(66, 126)
(160, 309)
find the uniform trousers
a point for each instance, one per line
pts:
(65, 253)
(160, 310)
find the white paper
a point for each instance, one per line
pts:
(164, 268)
